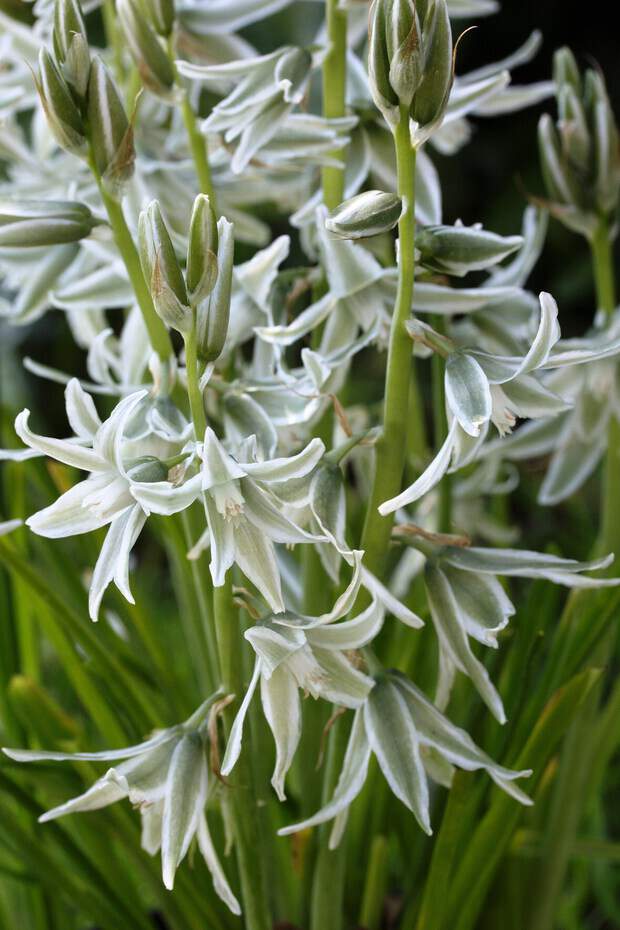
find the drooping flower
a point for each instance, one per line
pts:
(167, 778)
(411, 740)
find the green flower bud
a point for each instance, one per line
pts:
(432, 96)
(162, 270)
(71, 45)
(160, 14)
(151, 59)
(457, 250)
(62, 114)
(558, 181)
(367, 214)
(605, 141)
(213, 313)
(201, 271)
(410, 59)
(148, 468)
(111, 134)
(31, 223)
(566, 71)
(573, 129)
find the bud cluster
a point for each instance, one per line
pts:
(144, 26)
(81, 101)
(205, 288)
(410, 61)
(579, 153)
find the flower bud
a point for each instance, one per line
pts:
(111, 134)
(410, 59)
(162, 270)
(151, 59)
(573, 129)
(559, 183)
(605, 142)
(367, 214)
(62, 114)
(71, 45)
(147, 468)
(31, 223)
(213, 313)
(566, 71)
(457, 250)
(160, 14)
(431, 98)
(201, 271)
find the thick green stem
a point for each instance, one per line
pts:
(158, 334)
(391, 447)
(604, 279)
(198, 146)
(196, 401)
(334, 95)
(248, 845)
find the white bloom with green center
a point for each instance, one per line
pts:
(411, 739)
(244, 516)
(294, 651)
(104, 497)
(167, 778)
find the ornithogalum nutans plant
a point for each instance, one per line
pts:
(300, 477)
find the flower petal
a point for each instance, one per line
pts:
(428, 479)
(186, 794)
(63, 450)
(281, 706)
(220, 882)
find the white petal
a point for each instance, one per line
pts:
(233, 746)
(220, 882)
(296, 466)
(69, 516)
(255, 556)
(467, 392)
(63, 450)
(350, 783)
(186, 793)
(81, 411)
(428, 479)
(394, 740)
(281, 706)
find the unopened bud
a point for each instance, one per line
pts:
(457, 250)
(201, 272)
(555, 175)
(148, 468)
(431, 98)
(213, 314)
(31, 223)
(63, 116)
(605, 142)
(111, 134)
(162, 270)
(573, 129)
(151, 59)
(410, 60)
(367, 214)
(161, 15)
(566, 70)
(71, 45)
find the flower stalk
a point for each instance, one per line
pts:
(391, 446)
(334, 96)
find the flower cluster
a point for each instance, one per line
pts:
(231, 375)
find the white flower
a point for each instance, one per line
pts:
(166, 777)
(244, 516)
(104, 497)
(411, 739)
(294, 651)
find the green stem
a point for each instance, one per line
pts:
(246, 824)
(391, 447)
(334, 96)
(328, 878)
(605, 284)
(158, 334)
(198, 146)
(375, 886)
(196, 401)
(440, 427)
